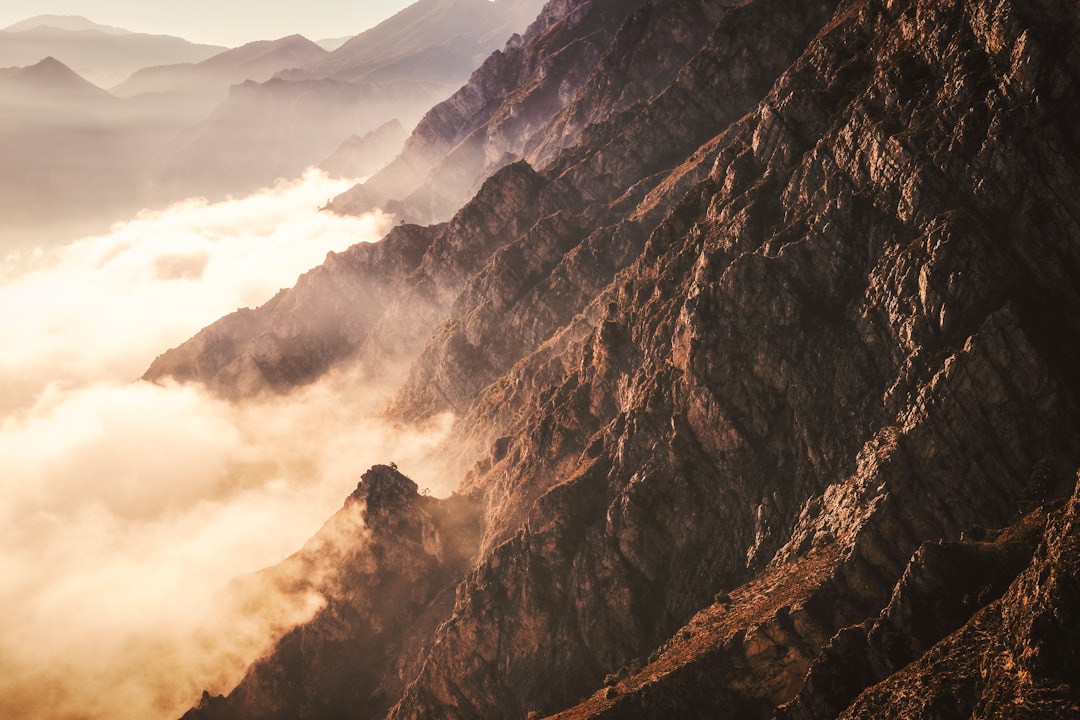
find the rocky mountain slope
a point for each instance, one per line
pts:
(763, 356)
(566, 58)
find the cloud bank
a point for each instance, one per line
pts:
(102, 308)
(126, 507)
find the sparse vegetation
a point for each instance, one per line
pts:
(1039, 483)
(631, 668)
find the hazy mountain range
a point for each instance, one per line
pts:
(396, 70)
(208, 82)
(102, 54)
(186, 120)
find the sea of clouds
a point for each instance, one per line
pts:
(125, 506)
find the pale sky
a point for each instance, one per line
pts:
(218, 22)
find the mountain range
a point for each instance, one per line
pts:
(102, 54)
(393, 71)
(49, 78)
(759, 323)
(206, 84)
(182, 120)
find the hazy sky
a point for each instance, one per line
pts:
(219, 22)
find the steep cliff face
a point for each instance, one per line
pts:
(1015, 658)
(765, 377)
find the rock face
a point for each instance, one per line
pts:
(385, 297)
(764, 363)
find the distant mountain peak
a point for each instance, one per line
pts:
(74, 23)
(260, 48)
(51, 76)
(50, 67)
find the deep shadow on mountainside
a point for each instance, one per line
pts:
(761, 331)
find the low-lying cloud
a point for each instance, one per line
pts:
(103, 307)
(128, 506)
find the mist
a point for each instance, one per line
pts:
(103, 307)
(127, 506)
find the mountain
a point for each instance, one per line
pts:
(361, 156)
(512, 96)
(103, 55)
(396, 70)
(74, 23)
(64, 139)
(461, 32)
(48, 80)
(331, 44)
(760, 331)
(199, 87)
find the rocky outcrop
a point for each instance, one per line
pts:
(741, 384)
(1015, 658)
(302, 331)
(382, 567)
(943, 586)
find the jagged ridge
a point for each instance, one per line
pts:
(755, 381)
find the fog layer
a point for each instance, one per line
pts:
(103, 307)
(126, 507)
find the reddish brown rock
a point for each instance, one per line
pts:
(744, 375)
